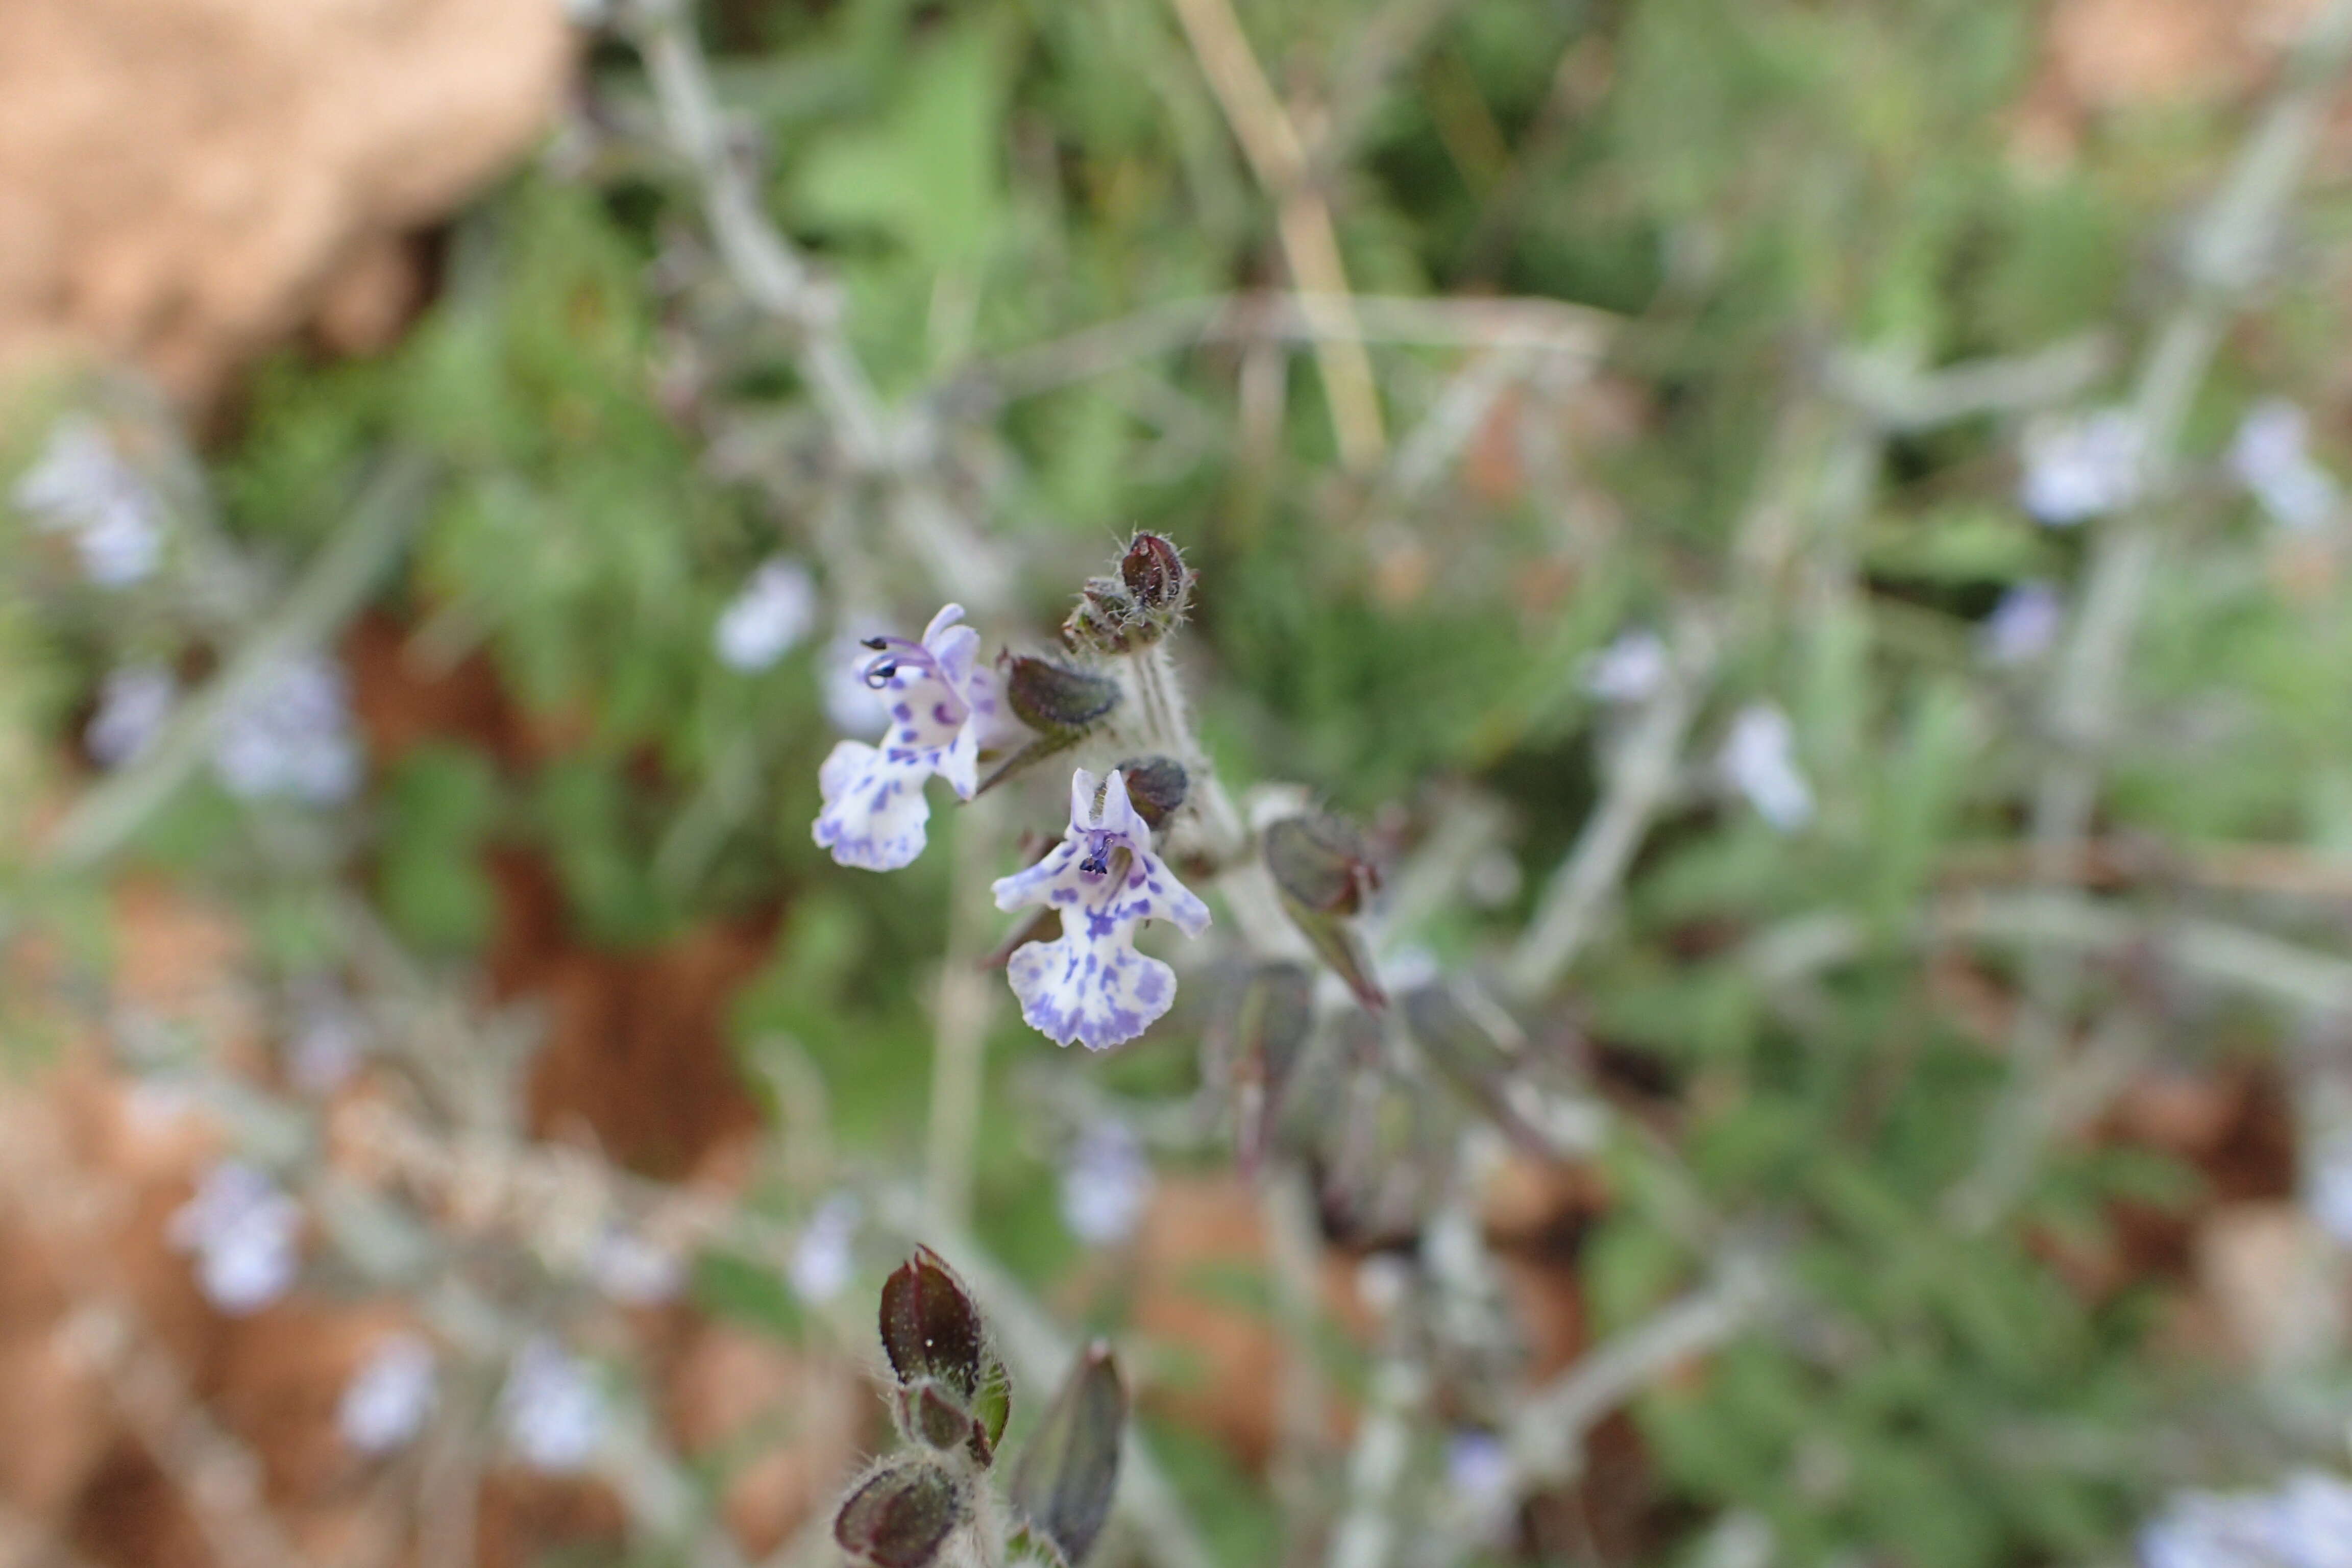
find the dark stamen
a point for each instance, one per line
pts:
(878, 673)
(876, 644)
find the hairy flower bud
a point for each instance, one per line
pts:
(1063, 1487)
(954, 1391)
(1155, 574)
(1321, 862)
(931, 1329)
(1143, 603)
(936, 1418)
(1048, 696)
(901, 1515)
(1324, 874)
(1157, 785)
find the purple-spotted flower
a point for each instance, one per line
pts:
(1089, 987)
(943, 702)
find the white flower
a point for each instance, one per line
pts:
(941, 702)
(133, 704)
(553, 1409)
(1089, 987)
(1630, 670)
(244, 1232)
(80, 485)
(2023, 625)
(825, 1258)
(633, 1271)
(290, 735)
(1759, 759)
(2078, 467)
(2270, 456)
(1106, 1183)
(768, 619)
(387, 1399)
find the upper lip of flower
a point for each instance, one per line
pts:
(891, 654)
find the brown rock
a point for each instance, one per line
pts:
(184, 183)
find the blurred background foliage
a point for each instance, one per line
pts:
(1750, 194)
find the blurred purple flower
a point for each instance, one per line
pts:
(388, 1398)
(768, 619)
(633, 1271)
(1759, 760)
(133, 702)
(1630, 670)
(554, 1411)
(2079, 466)
(2023, 625)
(327, 1036)
(291, 736)
(243, 1232)
(825, 1258)
(1106, 1183)
(2270, 456)
(81, 485)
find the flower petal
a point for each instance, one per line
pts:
(1119, 816)
(1056, 879)
(1153, 893)
(1095, 991)
(875, 811)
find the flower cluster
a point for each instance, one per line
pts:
(1089, 985)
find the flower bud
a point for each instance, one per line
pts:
(1155, 785)
(1144, 602)
(929, 1413)
(1323, 873)
(931, 1329)
(1155, 574)
(1046, 696)
(1063, 1487)
(901, 1515)
(1321, 862)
